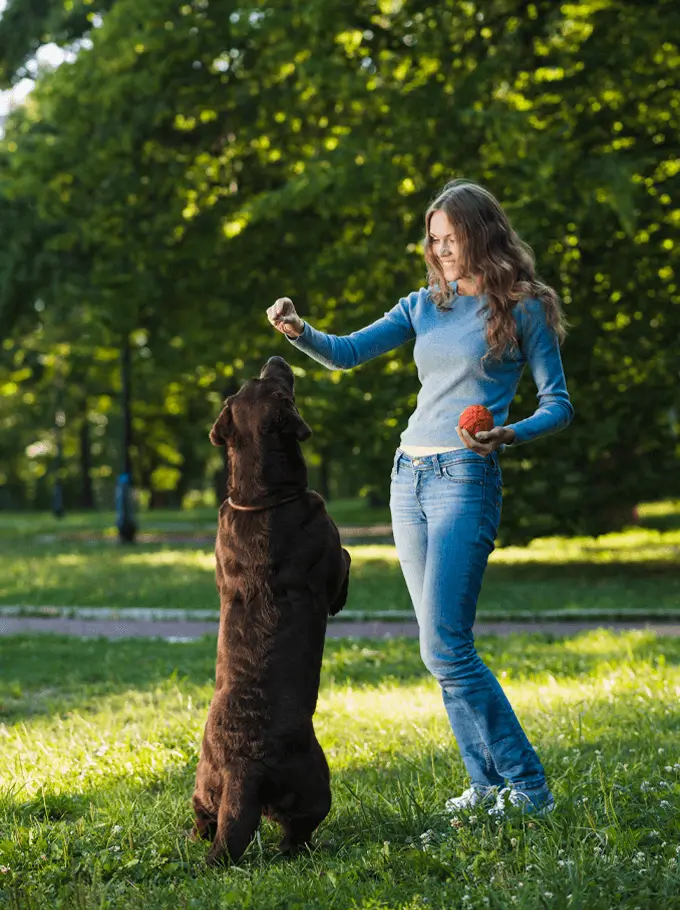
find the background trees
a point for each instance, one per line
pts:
(195, 161)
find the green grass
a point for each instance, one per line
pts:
(98, 749)
(13, 525)
(633, 570)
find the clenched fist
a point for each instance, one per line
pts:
(284, 318)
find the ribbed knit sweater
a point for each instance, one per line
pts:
(448, 351)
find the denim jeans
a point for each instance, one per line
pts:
(445, 514)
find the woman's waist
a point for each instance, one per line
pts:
(414, 451)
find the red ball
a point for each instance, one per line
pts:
(475, 418)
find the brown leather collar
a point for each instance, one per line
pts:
(270, 505)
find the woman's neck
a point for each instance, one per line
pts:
(467, 287)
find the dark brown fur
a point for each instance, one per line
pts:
(280, 573)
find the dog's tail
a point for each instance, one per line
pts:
(238, 816)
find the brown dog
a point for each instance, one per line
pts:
(280, 572)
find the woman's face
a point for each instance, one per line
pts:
(445, 245)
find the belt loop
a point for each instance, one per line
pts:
(437, 466)
(397, 459)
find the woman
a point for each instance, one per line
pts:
(482, 317)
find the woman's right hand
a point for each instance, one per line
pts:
(283, 317)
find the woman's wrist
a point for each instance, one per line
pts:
(297, 330)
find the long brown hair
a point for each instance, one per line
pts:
(494, 254)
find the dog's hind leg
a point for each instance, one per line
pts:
(310, 783)
(238, 817)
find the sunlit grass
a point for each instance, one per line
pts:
(634, 570)
(633, 546)
(544, 577)
(99, 745)
(656, 509)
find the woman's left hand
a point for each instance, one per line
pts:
(487, 441)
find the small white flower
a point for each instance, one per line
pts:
(548, 894)
(472, 819)
(513, 842)
(427, 838)
(116, 829)
(660, 751)
(4, 870)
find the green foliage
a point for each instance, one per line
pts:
(199, 161)
(27, 24)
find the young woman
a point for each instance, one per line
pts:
(482, 317)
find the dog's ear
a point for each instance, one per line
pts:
(294, 424)
(223, 426)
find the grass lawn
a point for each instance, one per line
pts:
(633, 570)
(354, 512)
(99, 743)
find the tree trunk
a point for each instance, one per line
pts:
(87, 489)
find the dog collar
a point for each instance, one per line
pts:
(270, 505)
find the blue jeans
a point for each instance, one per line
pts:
(445, 515)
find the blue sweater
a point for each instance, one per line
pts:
(448, 350)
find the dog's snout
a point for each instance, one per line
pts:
(276, 365)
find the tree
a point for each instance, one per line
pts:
(234, 157)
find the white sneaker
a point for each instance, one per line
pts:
(470, 799)
(509, 798)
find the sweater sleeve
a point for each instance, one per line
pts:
(343, 352)
(541, 350)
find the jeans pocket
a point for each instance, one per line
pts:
(465, 471)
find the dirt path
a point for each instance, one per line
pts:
(181, 630)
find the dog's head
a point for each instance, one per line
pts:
(262, 407)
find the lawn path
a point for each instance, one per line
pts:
(187, 630)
